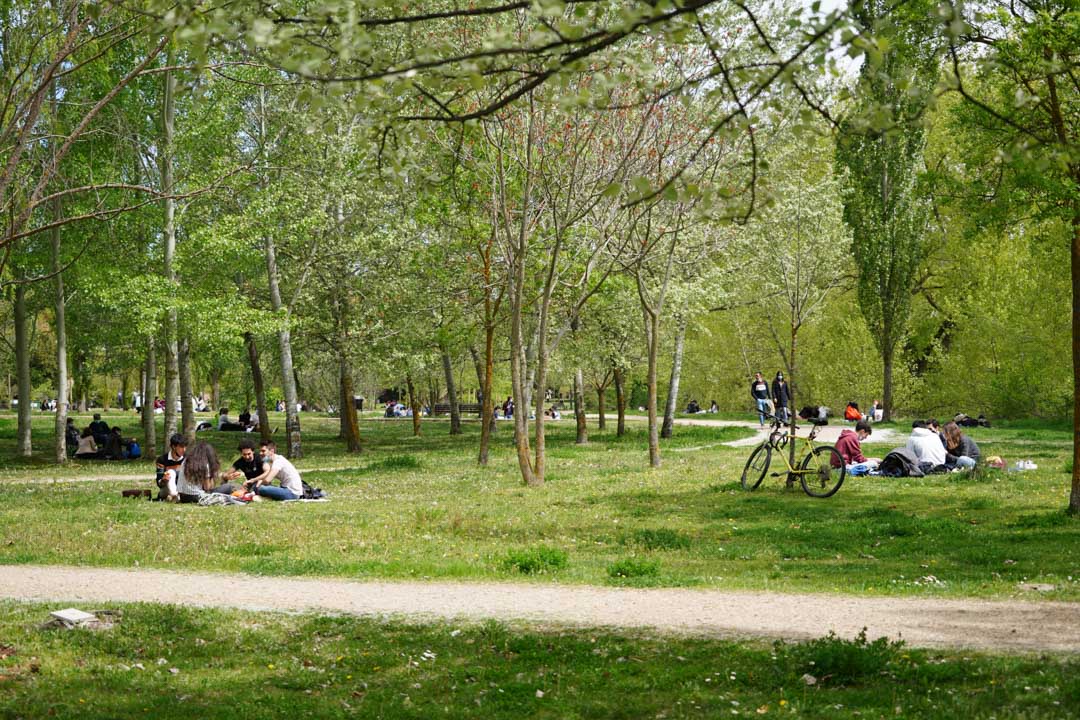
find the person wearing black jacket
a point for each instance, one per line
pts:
(759, 391)
(781, 397)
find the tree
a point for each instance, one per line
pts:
(880, 149)
(1015, 66)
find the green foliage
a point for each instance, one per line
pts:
(660, 539)
(836, 661)
(537, 560)
(629, 568)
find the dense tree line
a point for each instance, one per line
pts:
(631, 202)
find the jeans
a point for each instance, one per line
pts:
(277, 493)
(964, 462)
(762, 408)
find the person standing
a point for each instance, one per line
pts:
(781, 397)
(759, 391)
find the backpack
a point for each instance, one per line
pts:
(134, 451)
(312, 493)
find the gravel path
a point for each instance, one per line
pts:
(987, 625)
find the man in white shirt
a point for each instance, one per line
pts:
(926, 444)
(277, 466)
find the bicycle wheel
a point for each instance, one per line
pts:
(824, 472)
(756, 467)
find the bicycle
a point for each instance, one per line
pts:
(820, 471)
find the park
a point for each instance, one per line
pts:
(561, 358)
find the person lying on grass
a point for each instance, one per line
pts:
(276, 466)
(849, 445)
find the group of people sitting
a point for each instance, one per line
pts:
(98, 441)
(930, 449)
(244, 422)
(194, 476)
(852, 412)
(692, 407)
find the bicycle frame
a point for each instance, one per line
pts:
(778, 440)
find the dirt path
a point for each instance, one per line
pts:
(1000, 625)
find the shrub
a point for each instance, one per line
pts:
(660, 539)
(836, 661)
(535, 560)
(633, 568)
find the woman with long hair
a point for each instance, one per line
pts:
(198, 476)
(961, 451)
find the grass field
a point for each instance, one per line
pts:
(168, 662)
(422, 508)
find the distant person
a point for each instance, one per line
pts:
(508, 408)
(100, 429)
(87, 448)
(849, 445)
(926, 445)
(961, 451)
(244, 419)
(876, 412)
(852, 412)
(115, 446)
(225, 425)
(713, 407)
(759, 391)
(290, 487)
(781, 397)
(71, 436)
(692, 407)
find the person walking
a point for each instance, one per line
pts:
(781, 397)
(759, 391)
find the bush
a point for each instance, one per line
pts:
(632, 568)
(535, 560)
(836, 661)
(660, 539)
(395, 462)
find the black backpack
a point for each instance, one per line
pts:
(312, 493)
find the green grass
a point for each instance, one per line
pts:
(420, 507)
(172, 662)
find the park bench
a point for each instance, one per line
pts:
(463, 408)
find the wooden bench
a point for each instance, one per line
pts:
(463, 408)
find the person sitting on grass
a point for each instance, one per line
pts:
(71, 436)
(247, 466)
(849, 445)
(197, 476)
(225, 425)
(169, 464)
(277, 466)
(115, 445)
(926, 446)
(961, 451)
(88, 449)
(852, 412)
(100, 429)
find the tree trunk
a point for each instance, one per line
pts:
(187, 408)
(22, 365)
(886, 383)
(348, 409)
(165, 165)
(620, 402)
(451, 394)
(579, 408)
(124, 387)
(601, 422)
(215, 389)
(487, 408)
(288, 376)
(1074, 496)
(60, 445)
(652, 326)
(414, 403)
(673, 383)
(148, 423)
(260, 389)
(793, 369)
